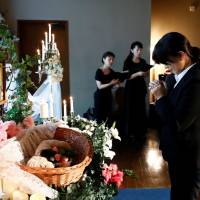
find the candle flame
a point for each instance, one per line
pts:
(38, 51)
(64, 101)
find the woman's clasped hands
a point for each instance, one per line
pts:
(158, 88)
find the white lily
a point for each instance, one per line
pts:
(108, 153)
(115, 133)
(88, 132)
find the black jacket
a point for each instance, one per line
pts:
(180, 116)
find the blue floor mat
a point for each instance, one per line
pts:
(143, 194)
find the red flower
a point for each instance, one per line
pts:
(57, 157)
(12, 129)
(111, 174)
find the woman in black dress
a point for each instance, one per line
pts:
(105, 78)
(135, 94)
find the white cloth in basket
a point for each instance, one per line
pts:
(13, 152)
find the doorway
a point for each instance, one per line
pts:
(32, 32)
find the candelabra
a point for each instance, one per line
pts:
(49, 63)
(49, 59)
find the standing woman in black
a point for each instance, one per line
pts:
(105, 78)
(135, 94)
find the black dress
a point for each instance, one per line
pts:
(135, 101)
(103, 97)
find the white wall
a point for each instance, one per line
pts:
(95, 26)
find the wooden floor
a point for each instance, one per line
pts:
(146, 161)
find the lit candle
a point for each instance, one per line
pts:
(51, 105)
(65, 108)
(49, 33)
(71, 104)
(44, 110)
(46, 41)
(38, 52)
(55, 46)
(53, 38)
(43, 50)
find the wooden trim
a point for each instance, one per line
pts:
(2, 101)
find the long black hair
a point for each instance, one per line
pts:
(169, 46)
(133, 45)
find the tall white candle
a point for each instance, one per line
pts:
(46, 40)
(44, 110)
(53, 38)
(43, 50)
(49, 33)
(51, 106)
(65, 108)
(38, 52)
(71, 104)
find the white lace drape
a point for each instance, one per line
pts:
(43, 94)
(13, 152)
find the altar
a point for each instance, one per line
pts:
(30, 122)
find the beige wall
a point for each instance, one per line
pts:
(173, 15)
(170, 16)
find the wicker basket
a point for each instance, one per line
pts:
(63, 176)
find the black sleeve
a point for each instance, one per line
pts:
(126, 66)
(98, 75)
(146, 67)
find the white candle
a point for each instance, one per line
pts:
(55, 46)
(51, 105)
(53, 38)
(38, 52)
(44, 110)
(46, 41)
(43, 50)
(71, 104)
(65, 108)
(49, 33)
(39, 61)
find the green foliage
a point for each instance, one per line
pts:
(130, 173)
(88, 189)
(7, 45)
(21, 107)
(91, 186)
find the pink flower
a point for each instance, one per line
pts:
(28, 122)
(111, 174)
(12, 129)
(117, 178)
(3, 134)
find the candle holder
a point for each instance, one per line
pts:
(49, 63)
(44, 120)
(65, 118)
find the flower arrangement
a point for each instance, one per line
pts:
(100, 180)
(111, 174)
(53, 67)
